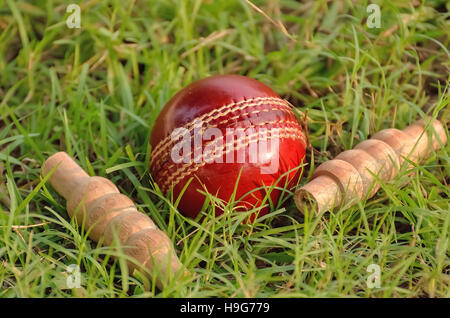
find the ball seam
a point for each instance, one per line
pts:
(163, 158)
(185, 170)
(257, 101)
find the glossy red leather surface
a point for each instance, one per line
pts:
(226, 102)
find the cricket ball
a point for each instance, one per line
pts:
(230, 136)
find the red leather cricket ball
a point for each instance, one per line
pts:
(221, 131)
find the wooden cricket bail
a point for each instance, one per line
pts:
(153, 251)
(85, 192)
(399, 141)
(428, 136)
(383, 154)
(366, 166)
(380, 157)
(125, 224)
(103, 210)
(108, 214)
(346, 176)
(320, 194)
(67, 175)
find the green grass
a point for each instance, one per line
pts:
(96, 91)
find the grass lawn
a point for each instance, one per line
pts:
(95, 92)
